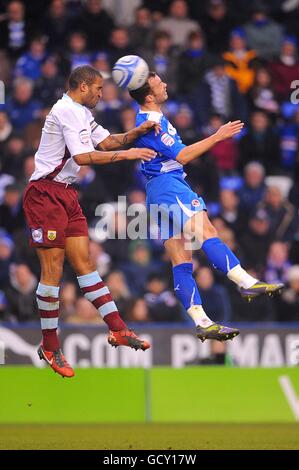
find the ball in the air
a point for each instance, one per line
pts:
(130, 72)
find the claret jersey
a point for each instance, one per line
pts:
(69, 130)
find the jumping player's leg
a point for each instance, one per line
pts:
(96, 291)
(187, 292)
(185, 287)
(47, 296)
(222, 258)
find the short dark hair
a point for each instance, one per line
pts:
(84, 73)
(140, 94)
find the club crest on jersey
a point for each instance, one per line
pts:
(51, 235)
(167, 139)
(37, 235)
(195, 203)
(84, 136)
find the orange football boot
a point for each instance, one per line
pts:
(57, 361)
(127, 338)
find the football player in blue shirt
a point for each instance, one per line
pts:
(181, 213)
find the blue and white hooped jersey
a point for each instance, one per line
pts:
(167, 144)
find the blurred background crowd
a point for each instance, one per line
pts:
(222, 60)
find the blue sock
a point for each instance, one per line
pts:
(184, 285)
(220, 255)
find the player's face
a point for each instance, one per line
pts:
(93, 93)
(158, 89)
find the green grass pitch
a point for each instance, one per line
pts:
(150, 436)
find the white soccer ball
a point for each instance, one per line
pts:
(130, 72)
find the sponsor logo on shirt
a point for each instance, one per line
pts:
(37, 235)
(51, 235)
(167, 139)
(84, 136)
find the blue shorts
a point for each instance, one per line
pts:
(171, 202)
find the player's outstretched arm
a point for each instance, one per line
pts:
(102, 158)
(193, 151)
(116, 141)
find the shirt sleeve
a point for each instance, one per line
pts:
(98, 133)
(76, 136)
(164, 144)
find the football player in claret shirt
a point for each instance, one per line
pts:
(181, 213)
(58, 228)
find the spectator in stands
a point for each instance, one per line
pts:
(214, 297)
(119, 44)
(294, 191)
(282, 214)
(21, 107)
(225, 154)
(162, 58)
(288, 304)
(101, 259)
(262, 95)
(20, 294)
(96, 23)
(278, 264)
(218, 94)
(13, 155)
(101, 63)
(162, 303)
(285, 68)
(56, 24)
(92, 190)
(67, 297)
(108, 108)
(256, 240)
(50, 86)
(193, 63)
(6, 257)
(139, 267)
(253, 190)
(141, 31)
(230, 212)
(261, 143)
(119, 289)
(217, 24)
(11, 212)
(240, 61)
(78, 53)
(85, 314)
(178, 24)
(184, 124)
(122, 11)
(15, 30)
(29, 64)
(137, 311)
(263, 34)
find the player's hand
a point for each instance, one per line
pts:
(229, 129)
(148, 126)
(141, 154)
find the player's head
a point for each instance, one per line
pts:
(87, 83)
(153, 91)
